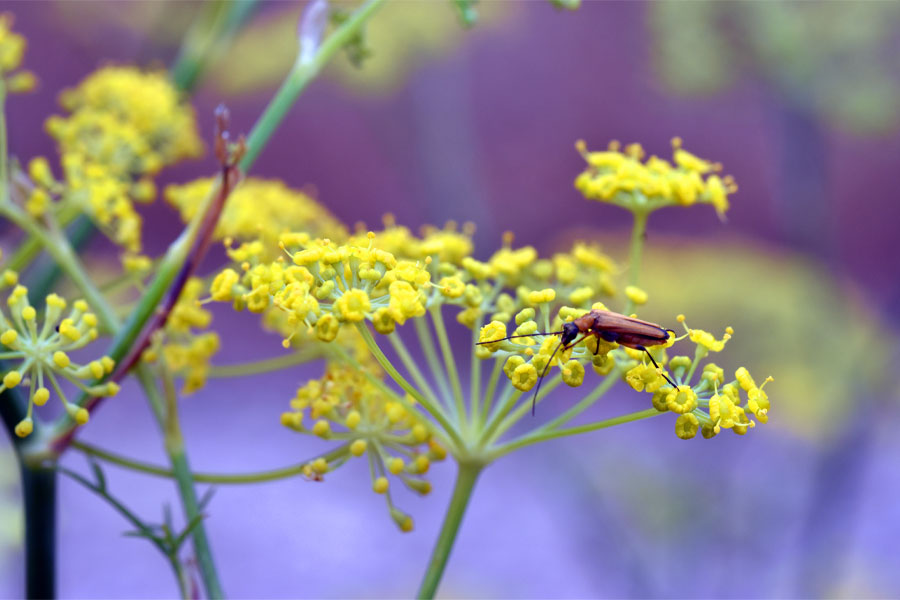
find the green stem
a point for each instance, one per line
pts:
(524, 408)
(638, 235)
(431, 358)
(166, 412)
(220, 478)
(535, 437)
(266, 365)
(218, 23)
(462, 492)
(584, 403)
(475, 380)
(411, 366)
(39, 499)
(488, 402)
(403, 383)
(300, 76)
(59, 248)
(449, 363)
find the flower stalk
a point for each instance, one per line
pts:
(466, 477)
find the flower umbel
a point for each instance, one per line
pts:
(629, 179)
(43, 353)
(346, 405)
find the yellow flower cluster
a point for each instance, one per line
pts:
(629, 179)
(327, 286)
(147, 110)
(346, 405)
(42, 350)
(259, 210)
(186, 352)
(529, 357)
(124, 126)
(12, 51)
(710, 404)
(392, 276)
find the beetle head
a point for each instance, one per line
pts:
(570, 332)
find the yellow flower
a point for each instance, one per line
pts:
(353, 305)
(259, 210)
(43, 352)
(494, 333)
(640, 184)
(145, 102)
(350, 407)
(405, 303)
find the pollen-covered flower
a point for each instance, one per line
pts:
(186, 351)
(709, 404)
(346, 406)
(12, 51)
(124, 126)
(259, 210)
(629, 179)
(349, 283)
(42, 350)
(144, 105)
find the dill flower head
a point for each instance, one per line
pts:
(185, 348)
(123, 126)
(42, 351)
(630, 179)
(143, 105)
(259, 210)
(370, 421)
(711, 403)
(12, 51)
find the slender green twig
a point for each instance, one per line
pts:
(266, 365)
(300, 76)
(449, 363)
(585, 402)
(534, 438)
(168, 545)
(489, 402)
(411, 366)
(218, 22)
(437, 371)
(218, 478)
(523, 409)
(475, 380)
(466, 478)
(426, 403)
(638, 235)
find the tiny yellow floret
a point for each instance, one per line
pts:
(25, 427)
(12, 379)
(61, 359)
(636, 295)
(358, 447)
(381, 485)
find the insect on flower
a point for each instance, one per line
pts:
(609, 327)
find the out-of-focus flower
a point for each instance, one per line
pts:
(185, 350)
(42, 351)
(12, 51)
(124, 126)
(259, 210)
(629, 179)
(144, 105)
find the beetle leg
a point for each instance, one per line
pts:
(653, 360)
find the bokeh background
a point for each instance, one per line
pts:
(799, 101)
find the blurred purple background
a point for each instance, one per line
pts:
(481, 128)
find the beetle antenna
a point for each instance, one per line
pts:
(509, 337)
(541, 378)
